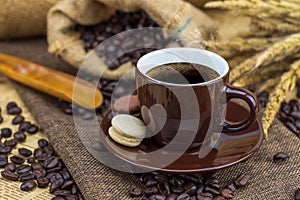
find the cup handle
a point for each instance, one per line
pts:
(240, 93)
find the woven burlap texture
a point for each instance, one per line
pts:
(65, 42)
(23, 18)
(96, 181)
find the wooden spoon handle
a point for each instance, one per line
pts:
(50, 81)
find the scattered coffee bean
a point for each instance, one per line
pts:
(71, 197)
(183, 196)
(32, 129)
(172, 197)
(18, 119)
(65, 174)
(58, 198)
(205, 196)
(31, 160)
(24, 125)
(10, 167)
(1, 118)
(297, 192)
(14, 111)
(241, 180)
(28, 185)
(135, 191)
(231, 187)
(56, 184)
(289, 115)
(20, 136)
(9, 175)
(39, 173)
(42, 182)
(219, 198)
(5, 149)
(11, 143)
(281, 156)
(6, 132)
(17, 160)
(26, 176)
(157, 197)
(22, 169)
(24, 152)
(11, 105)
(67, 184)
(228, 194)
(62, 192)
(42, 143)
(3, 160)
(51, 162)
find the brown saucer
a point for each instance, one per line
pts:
(228, 151)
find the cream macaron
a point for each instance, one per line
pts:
(127, 130)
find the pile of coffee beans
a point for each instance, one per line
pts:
(119, 22)
(289, 114)
(162, 186)
(39, 168)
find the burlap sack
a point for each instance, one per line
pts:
(23, 18)
(65, 42)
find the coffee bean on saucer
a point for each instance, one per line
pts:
(6, 132)
(3, 160)
(297, 194)
(25, 152)
(14, 111)
(18, 119)
(10, 167)
(17, 160)
(28, 185)
(280, 156)
(20, 136)
(9, 175)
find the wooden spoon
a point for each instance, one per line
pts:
(52, 82)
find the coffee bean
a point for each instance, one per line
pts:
(32, 129)
(14, 111)
(11, 143)
(65, 174)
(42, 143)
(17, 119)
(212, 191)
(28, 185)
(177, 181)
(164, 188)
(26, 176)
(135, 191)
(74, 189)
(228, 194)
(6, 132)
(17, 160)
(10, 175)
(281, 156)
(219, 198)
(38, 152)
(58, 198)
(20, 136)
(241, 180)
(24, 125)
(172, 197)
(205, 196)
(11, 105)
(177, 189)
(50, 162)
(31, 160)
(5, 149)
(150, 183)
(183, 197)
(25, 152)
(39, 173)
(22, 169)
(231, 187)
(200, 189)
(190, 189)
(297, 194)
(36, 165)
(10, 167)
(54, 176)
(1, 119)
(67, 185)
(62, 192)
(71, 197)
(157, 197)
(56, 184)
(160, 178)
(151, 191)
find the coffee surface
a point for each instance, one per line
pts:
(183, 73)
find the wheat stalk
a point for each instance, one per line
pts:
(286, 84)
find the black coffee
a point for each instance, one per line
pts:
(183, 73)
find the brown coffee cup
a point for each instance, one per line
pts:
(186, 115)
